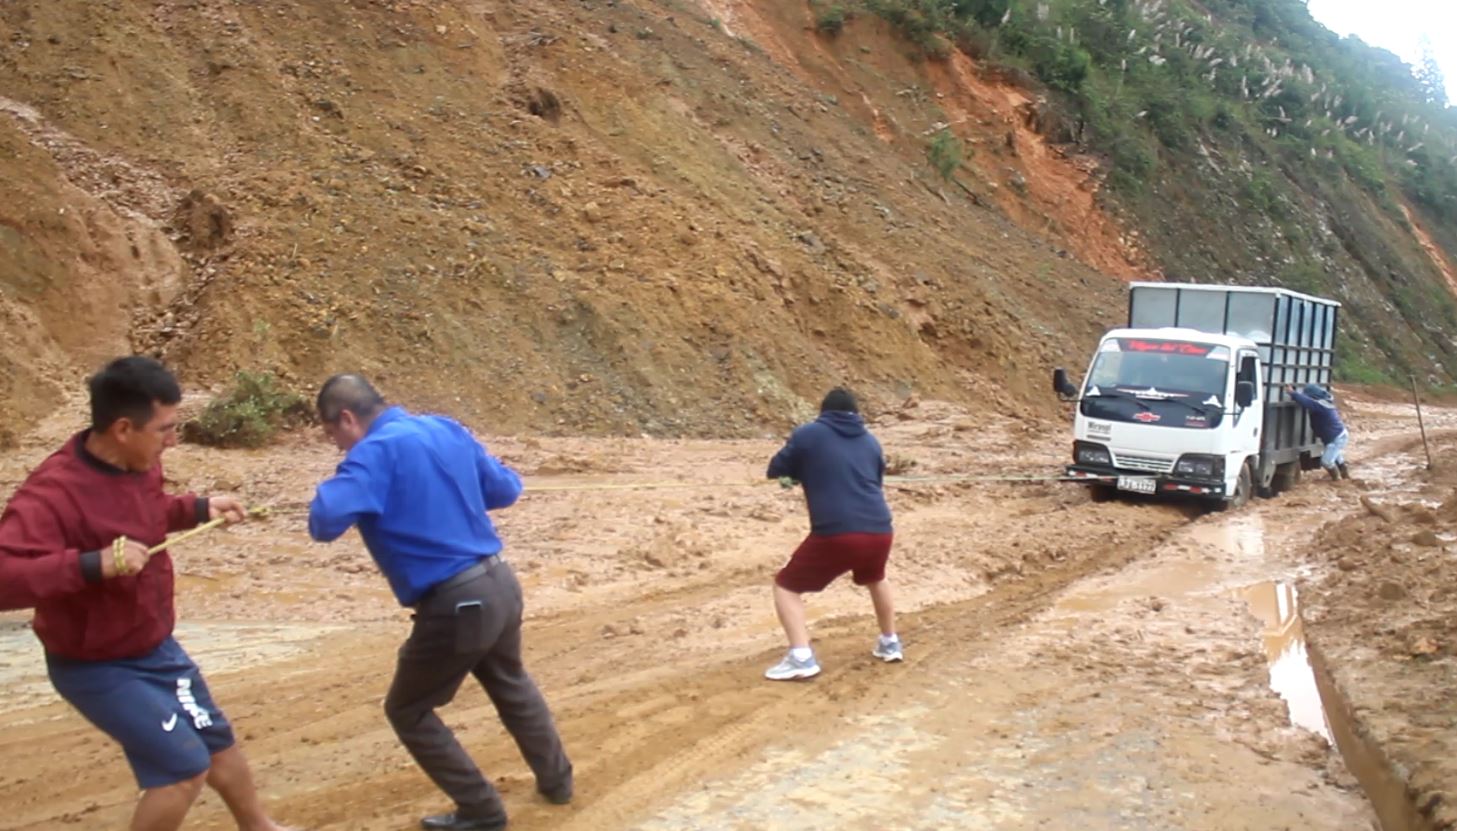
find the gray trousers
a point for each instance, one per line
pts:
(473, 628)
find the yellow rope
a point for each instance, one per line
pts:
(901, 480)
(254, 513)
(206, 526)
(644, 486)
(889, 480)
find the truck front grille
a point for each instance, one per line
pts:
(1150, 464)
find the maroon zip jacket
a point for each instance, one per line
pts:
(69, 509)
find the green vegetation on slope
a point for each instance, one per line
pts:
(1251, 143)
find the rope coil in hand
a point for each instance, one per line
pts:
(118, 547)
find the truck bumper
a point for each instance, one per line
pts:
(1163, 483)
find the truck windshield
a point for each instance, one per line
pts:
(1172, 383)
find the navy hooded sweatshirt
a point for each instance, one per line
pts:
(841, 467)
(1324, 419)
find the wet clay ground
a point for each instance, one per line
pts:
(1383, 615)
(1070, 664)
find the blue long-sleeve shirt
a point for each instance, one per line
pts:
(842, 469)
(1324, 419)
(418, 487)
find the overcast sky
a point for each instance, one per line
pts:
(1398, 25)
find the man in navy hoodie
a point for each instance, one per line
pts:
(842, 469)
(1326, 422)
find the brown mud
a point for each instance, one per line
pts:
(1064, 658)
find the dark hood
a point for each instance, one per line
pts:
(846, 424)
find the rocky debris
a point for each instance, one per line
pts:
(203, 222)
(811, 241)
(1424, 646)
(542, 103)
(1391, 591)
(329, 108)
(1426, 538)
(1377, 510)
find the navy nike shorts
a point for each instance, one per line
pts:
(156, 707)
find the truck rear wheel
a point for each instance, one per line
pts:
(1241, 494)
(1287, 476)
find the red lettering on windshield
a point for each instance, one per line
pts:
(1166, 346)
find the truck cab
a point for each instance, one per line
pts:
(1196, 406)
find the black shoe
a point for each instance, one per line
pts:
(463, 822)
(1345, 471)
(559, 795)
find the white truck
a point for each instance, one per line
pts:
(1189, 397)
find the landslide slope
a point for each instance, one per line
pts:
(586, 216)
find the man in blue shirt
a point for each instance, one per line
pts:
(418, 488)
(842, 469)
(1328, 427)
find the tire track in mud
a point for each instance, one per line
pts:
(646, 719)
(671, 724)
(808, 708)
(645, 734)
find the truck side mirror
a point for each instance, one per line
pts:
(1062, 386)
(1244, 393)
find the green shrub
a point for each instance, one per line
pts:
(1302, 276)
(1262, 194)
(1163, 108)
(924, 23)
(1224, 116)
(945, 152)
(1362, 165)
(249, 414)
(831, 20)
(1060, 65)
(985, 13)
(1133, 164)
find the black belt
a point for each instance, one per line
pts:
(461, 578)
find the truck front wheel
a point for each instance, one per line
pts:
(1241, 493)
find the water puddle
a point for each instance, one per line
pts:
(1219, 559)
(1213, 559)
(1277, 605)
(1170, 581)
(1207, 558)
(1314, 703)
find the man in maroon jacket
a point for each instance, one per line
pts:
(73, 546)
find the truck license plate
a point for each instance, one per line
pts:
(1136, 484)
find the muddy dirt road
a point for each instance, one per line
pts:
(1069, 664)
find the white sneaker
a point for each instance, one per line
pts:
(790, 670)
(888, 652)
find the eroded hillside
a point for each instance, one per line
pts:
(592, 216)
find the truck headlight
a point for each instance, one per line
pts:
(1200, 466)
(1087, 453)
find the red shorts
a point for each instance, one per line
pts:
(820, 559)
